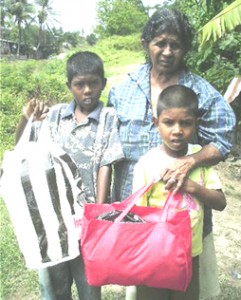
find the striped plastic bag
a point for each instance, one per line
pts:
(41, 187)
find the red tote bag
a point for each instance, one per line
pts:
(156, 253)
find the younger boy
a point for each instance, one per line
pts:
(88, 133)
(177, 118)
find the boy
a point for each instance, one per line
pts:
(176, 121)
(88, 133)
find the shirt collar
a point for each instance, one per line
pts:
(95, 114)
(142, 79)
(142, 75)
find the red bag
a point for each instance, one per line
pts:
(156, 253)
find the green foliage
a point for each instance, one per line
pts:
(36, 40)
(71, 38)
(27, 24)
(114, 48)
(91, 39)
(21, 11)
(222, 57)
(227, 20)
(45, 79)
(22, 80)
(43, 16)
(120, 17)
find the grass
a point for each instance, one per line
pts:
(16, 281)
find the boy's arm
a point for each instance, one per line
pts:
(214, 199)
(20, 128)
(103, 184)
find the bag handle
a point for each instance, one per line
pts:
(44, 135)
(171, 202)
(26, 134)
(132, 199)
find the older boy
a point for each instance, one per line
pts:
(88, 133)
(176, 121)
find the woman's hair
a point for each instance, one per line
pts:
(178, 96)
(82, 63)
(168, 21)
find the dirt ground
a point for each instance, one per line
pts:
(227, 224)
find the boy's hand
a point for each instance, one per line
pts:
(37, 108)
(189, 186)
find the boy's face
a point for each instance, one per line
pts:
(176, 127)
(87, 90)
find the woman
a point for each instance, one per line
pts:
(166, 38)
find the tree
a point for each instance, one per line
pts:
(227, 20)
(72, 39)
(44, 16)
(21, 10)
(4, 16)
(91, 39)
(33, 26)
(212, 58)
(120, 17)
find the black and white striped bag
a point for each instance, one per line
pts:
(41, 187)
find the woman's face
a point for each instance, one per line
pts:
(166, 53)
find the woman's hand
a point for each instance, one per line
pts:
(177, 172)
(175, 175)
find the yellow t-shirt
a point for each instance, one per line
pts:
(151, 166)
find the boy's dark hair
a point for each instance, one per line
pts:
(168, 21)
(177, 96)
(82, 63)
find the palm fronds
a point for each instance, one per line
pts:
(222, 23)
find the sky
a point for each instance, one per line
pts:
(78, 15)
